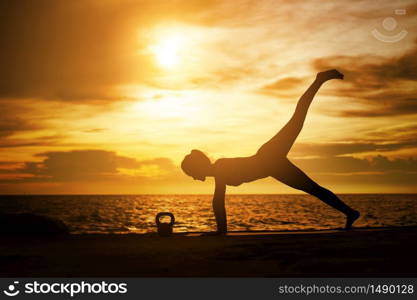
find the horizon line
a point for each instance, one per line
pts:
(193, 194)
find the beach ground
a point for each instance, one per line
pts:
(389, 252)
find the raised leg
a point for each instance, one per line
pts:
(282, 142)
(292, 176)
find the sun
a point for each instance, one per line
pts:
(169, 50)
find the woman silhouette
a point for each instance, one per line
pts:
(270, 160)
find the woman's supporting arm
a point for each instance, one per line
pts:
(219, 208)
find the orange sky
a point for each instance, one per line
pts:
(108, 96)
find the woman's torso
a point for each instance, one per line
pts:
(238, 170)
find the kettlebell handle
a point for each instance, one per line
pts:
(162, 214)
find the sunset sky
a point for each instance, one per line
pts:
(107, 96)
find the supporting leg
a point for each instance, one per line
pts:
(292, 176)
(331, 199)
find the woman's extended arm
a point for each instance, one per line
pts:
(218, 206)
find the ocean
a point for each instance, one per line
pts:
(123, 214)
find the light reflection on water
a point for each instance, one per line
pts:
(136, 213)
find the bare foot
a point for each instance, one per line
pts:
(329, 74)
(351, 219)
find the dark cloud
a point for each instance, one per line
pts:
(11, 120)
(346, 165)
(404, 133)
(18, 144)
(285, 83)
(95, 130)
(10, 124)
(83, 165)
(285, 87)
(343, 148)
(377, 170)
(41, 141)
(376, 140)
(386, 86)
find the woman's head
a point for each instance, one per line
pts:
(197, 165)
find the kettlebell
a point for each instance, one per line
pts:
(164, 229)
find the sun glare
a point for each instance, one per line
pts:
(184, 105)
(168, 51)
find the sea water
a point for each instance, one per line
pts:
(136, 213)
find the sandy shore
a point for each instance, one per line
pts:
(361, 252)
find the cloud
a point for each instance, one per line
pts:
(285, 83)
(85, 165)
(375, 170)
(385, 86)
(11, 120)
(95, 130)
(344, 148)
(35, 142)
(10, 124)
(286, 87)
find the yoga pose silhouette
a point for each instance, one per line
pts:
(270, 160)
